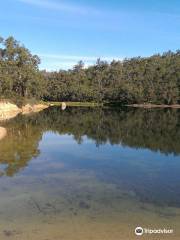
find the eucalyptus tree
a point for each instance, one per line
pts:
(19, 70)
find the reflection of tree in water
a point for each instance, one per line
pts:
(156, 129)
(21, 144)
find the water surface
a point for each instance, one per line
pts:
(90, 173)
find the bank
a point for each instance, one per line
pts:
(10, 110)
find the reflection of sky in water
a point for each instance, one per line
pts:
(51, 186)
(152, 176)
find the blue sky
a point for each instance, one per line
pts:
(63, 32)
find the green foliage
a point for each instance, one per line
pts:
(19, 74)
(153, 80)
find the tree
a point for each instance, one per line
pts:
(19, 70)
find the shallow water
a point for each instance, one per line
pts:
(90, 174)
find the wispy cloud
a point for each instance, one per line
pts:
(56, 62)
(56, 65)
(78, 58)
(62, 6)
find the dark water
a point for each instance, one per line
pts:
(90, 173)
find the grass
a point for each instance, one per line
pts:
(77, 104)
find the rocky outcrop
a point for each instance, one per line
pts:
(39, 107)
(27, 109)
(9, 110)
(33, 108)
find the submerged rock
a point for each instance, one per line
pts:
(84, 205)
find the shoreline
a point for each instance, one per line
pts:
(10, 110)
(75, 104)
(176, 106)
(106, 104)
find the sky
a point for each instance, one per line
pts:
(65, 32)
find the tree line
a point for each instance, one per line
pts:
(154, 79)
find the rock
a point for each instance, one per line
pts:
(63, 106)
(27, 109)
(39, 107)
(8, 110)
(33, 108)
(7, 106)
(84, 205)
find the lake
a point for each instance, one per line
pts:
(90, 174)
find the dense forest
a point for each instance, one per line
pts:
(154, 79)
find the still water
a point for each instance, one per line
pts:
(90, 173)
